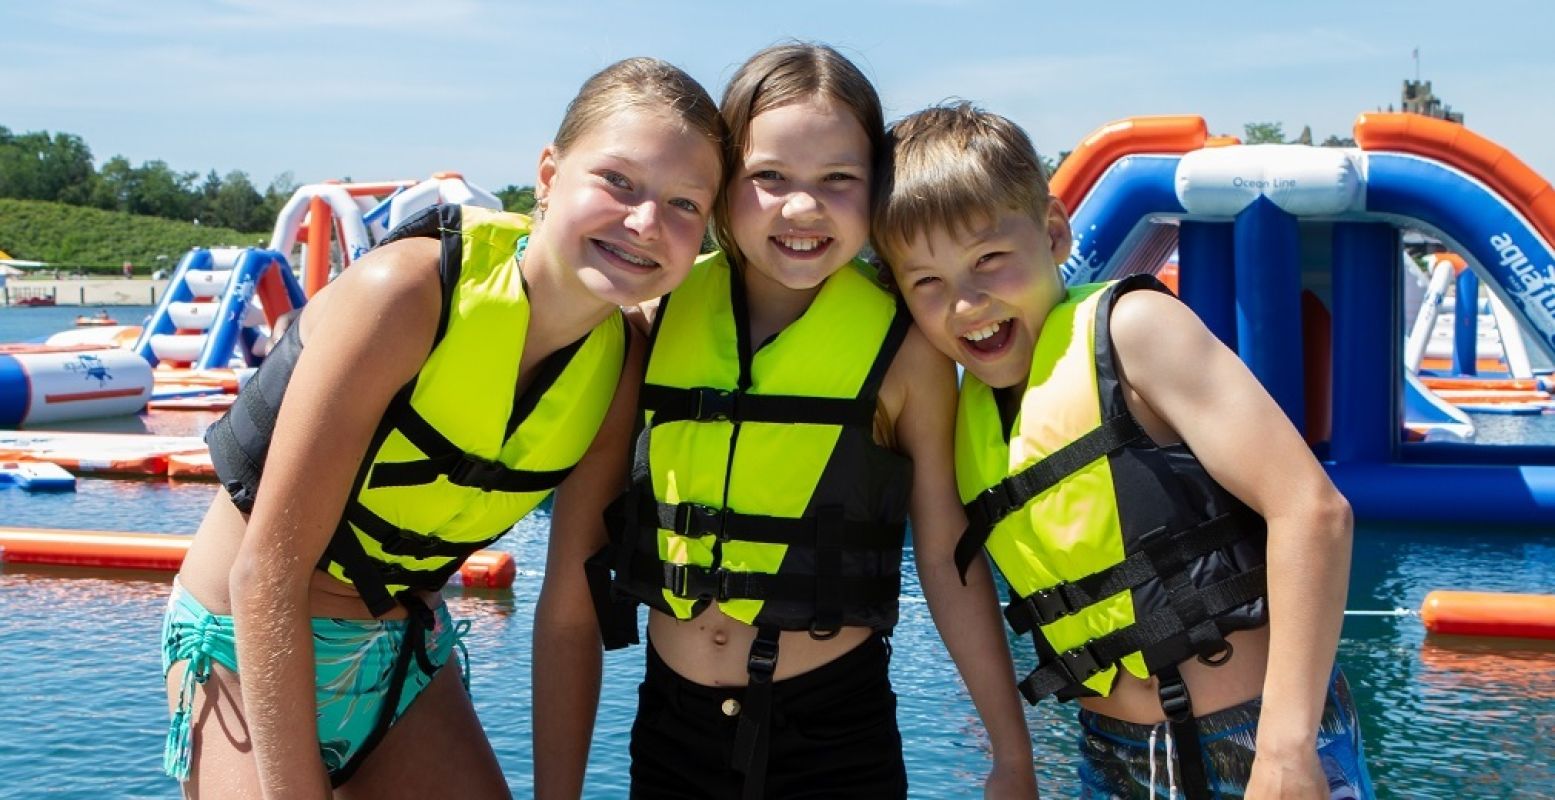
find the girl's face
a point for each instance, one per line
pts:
(799, 197)
(627, 204)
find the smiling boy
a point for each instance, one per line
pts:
(1177, 553)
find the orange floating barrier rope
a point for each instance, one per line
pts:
(1529, 616)
(486, 569)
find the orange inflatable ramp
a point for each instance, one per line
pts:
(486, 569)
(1530, 616)
(1457, 146)
(1094, 154)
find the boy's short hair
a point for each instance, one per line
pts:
(952, 165)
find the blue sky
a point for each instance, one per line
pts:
(390, 89)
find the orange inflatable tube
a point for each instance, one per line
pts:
(1460, 147)
(1488, 396)
(1480, 364)
(1494, 384)
(1530, 616)
(487, 569)
(1110, 142)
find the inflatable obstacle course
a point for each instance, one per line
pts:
(212, 312)
(104, 453)
(40, 384)
(1291, 256)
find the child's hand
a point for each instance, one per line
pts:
(1288, 776)
(1011, 782)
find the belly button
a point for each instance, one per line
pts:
(720, 638)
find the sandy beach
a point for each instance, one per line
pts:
(100, 291)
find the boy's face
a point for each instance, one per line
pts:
(982, 295)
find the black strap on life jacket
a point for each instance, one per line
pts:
(753, 736)
(1046, 606)
(397, 541)
(691, 582)
(1006, 497)
(634, 519)
(445, 458)
(703, 404)
(1178, 708)
(419, 619)
(694, 520)
(1166, 637)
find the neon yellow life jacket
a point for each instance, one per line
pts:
(1122, 552)
(460, 455)
(757, 481)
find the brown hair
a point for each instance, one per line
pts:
(955, 165)
(641, 83)
(777, 76)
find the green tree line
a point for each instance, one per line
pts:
(59, 168)
(77, 238)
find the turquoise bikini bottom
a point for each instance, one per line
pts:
(356, 662)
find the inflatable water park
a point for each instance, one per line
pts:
(1386, 295)
(196, 350)
(1293, 256)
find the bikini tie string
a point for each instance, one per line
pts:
(178, 751)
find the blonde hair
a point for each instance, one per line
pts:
(952, 165)
(777, 76)
(641, 83)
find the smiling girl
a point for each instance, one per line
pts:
(791, 421)
(449, 382)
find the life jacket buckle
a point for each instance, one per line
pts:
(995, 503)
(1049, 605)
(474, 471)
(694, 519)
(1175, 702)
(1081, 663)
(688, 581)
(763, 659)
(713, 405)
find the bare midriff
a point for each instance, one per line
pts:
(207, 567)
(712, 649)
(1211, 687)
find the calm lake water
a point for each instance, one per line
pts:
(83, 715)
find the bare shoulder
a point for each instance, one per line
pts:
(398, 281)
(389, 302)
(917, 363)
(921, 380)
(918, 353)
(405, 266)
(1155, 328)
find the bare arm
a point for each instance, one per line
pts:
(367, 338)
(1204, 393)
(566, 668)
(967, 616)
